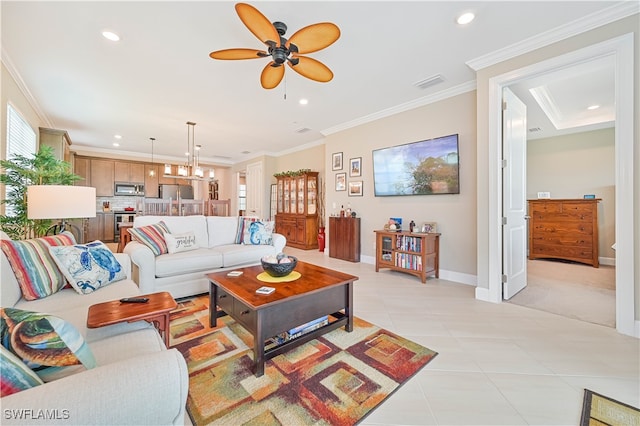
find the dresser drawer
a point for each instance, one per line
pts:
(225, 301)
(245, 315)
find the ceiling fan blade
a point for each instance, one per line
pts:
(314, 37)
(271, 76)
(233, 54)
(312, 69)
(258, 24)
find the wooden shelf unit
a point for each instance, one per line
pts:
(297, 211)
(564, 229)
(344, 238)
(411, 252)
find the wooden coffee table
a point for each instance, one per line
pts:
(318, 292)
(155, 311)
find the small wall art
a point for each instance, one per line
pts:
(341, 181)
(355, 167)
(336, 161)
(355, 188)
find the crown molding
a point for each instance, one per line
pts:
(426, 100)
(589, 22)
(11, 69)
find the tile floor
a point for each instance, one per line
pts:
(498, 364)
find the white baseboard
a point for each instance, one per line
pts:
(611, 261)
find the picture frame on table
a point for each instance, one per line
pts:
(429, 227)
(355, 167)
(336, 161)
(355, 188)
(341, 181)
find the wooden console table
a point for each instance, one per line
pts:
(411, 252)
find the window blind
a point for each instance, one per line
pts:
(21, 140)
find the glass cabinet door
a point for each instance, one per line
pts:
(312, 195)
(301, 187)
(293, 196)
(286, 196)
(280, 195)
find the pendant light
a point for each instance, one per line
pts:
(152, 170)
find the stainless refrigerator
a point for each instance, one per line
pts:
(174, 192)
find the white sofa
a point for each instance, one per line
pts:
(183, 274)
(136, 381)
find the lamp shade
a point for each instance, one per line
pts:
(60, 202)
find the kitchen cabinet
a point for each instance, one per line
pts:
(297, 213)
(101, 227)
(82, 168)
(102, 177)
(59, 141)
(128, 172)
(151, 182)
(344, 238)
(564, 229)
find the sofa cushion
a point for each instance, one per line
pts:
(258, 232)
(46, 343)
(222, 230)
(179, 224)
(240, 254)
(16, 376)
(177, 243)
(243, 222)
(33, 266)
(151, 236)
(88, 267)
(201, 259)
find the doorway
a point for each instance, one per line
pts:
(622, 49)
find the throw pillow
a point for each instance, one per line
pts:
(33, 266)
(15, 375)
(88, 267)
(180, 242)
(47, 344)
(258, 233)
(243, 224)
(152, 236)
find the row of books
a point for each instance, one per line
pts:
(296, 332)
(407, 243)
(409, 261)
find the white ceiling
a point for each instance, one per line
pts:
(159, 75)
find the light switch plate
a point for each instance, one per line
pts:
(544, 195)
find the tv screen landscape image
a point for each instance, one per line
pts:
(418, 168)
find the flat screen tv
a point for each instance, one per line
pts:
(418, 168)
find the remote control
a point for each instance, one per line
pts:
(134, 300)
(265, 290)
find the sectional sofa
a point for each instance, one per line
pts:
(136, 379)
(219, 243)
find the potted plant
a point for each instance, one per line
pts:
(321, 228)
(17, 174)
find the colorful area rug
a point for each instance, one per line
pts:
(599, 410)
(336, 379)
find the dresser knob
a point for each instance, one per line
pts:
(222, 296)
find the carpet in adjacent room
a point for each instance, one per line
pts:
(337, 379)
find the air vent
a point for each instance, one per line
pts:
(303, 130)
(428, 82)
(535, 129)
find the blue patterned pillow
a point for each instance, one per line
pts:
(258, 233)
(88, 267)
(15, 375)
(48, 345)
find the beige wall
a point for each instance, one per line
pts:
(589, 38)
(574, 165)
(455, 214)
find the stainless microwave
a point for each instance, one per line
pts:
(126, 188)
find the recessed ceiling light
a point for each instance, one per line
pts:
(116, 144)
(592, 107)
(117, 136)
(465, 18)
(303, 101)
(110, 36)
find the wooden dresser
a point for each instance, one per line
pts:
(564, 229)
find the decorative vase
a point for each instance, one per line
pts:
(321, 238)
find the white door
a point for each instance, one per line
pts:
(514, 204)
(255, 189)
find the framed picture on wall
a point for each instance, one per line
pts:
(355, 188)
(355, 167)
(341, 181)
(336, 161)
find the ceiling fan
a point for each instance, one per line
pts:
(306, 40)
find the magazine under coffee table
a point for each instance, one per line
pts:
(317, 293)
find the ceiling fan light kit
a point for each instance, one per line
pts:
(306, 40)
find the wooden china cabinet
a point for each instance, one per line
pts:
(297, 209)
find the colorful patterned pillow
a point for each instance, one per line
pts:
(88, 267)
(47, 344)
(258, 233)
(151, 236)
(243, 223)
(15, 375)
(33, 266)
(180, 242)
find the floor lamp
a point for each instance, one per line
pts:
(61, 202)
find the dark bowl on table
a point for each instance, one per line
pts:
(279, 269)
